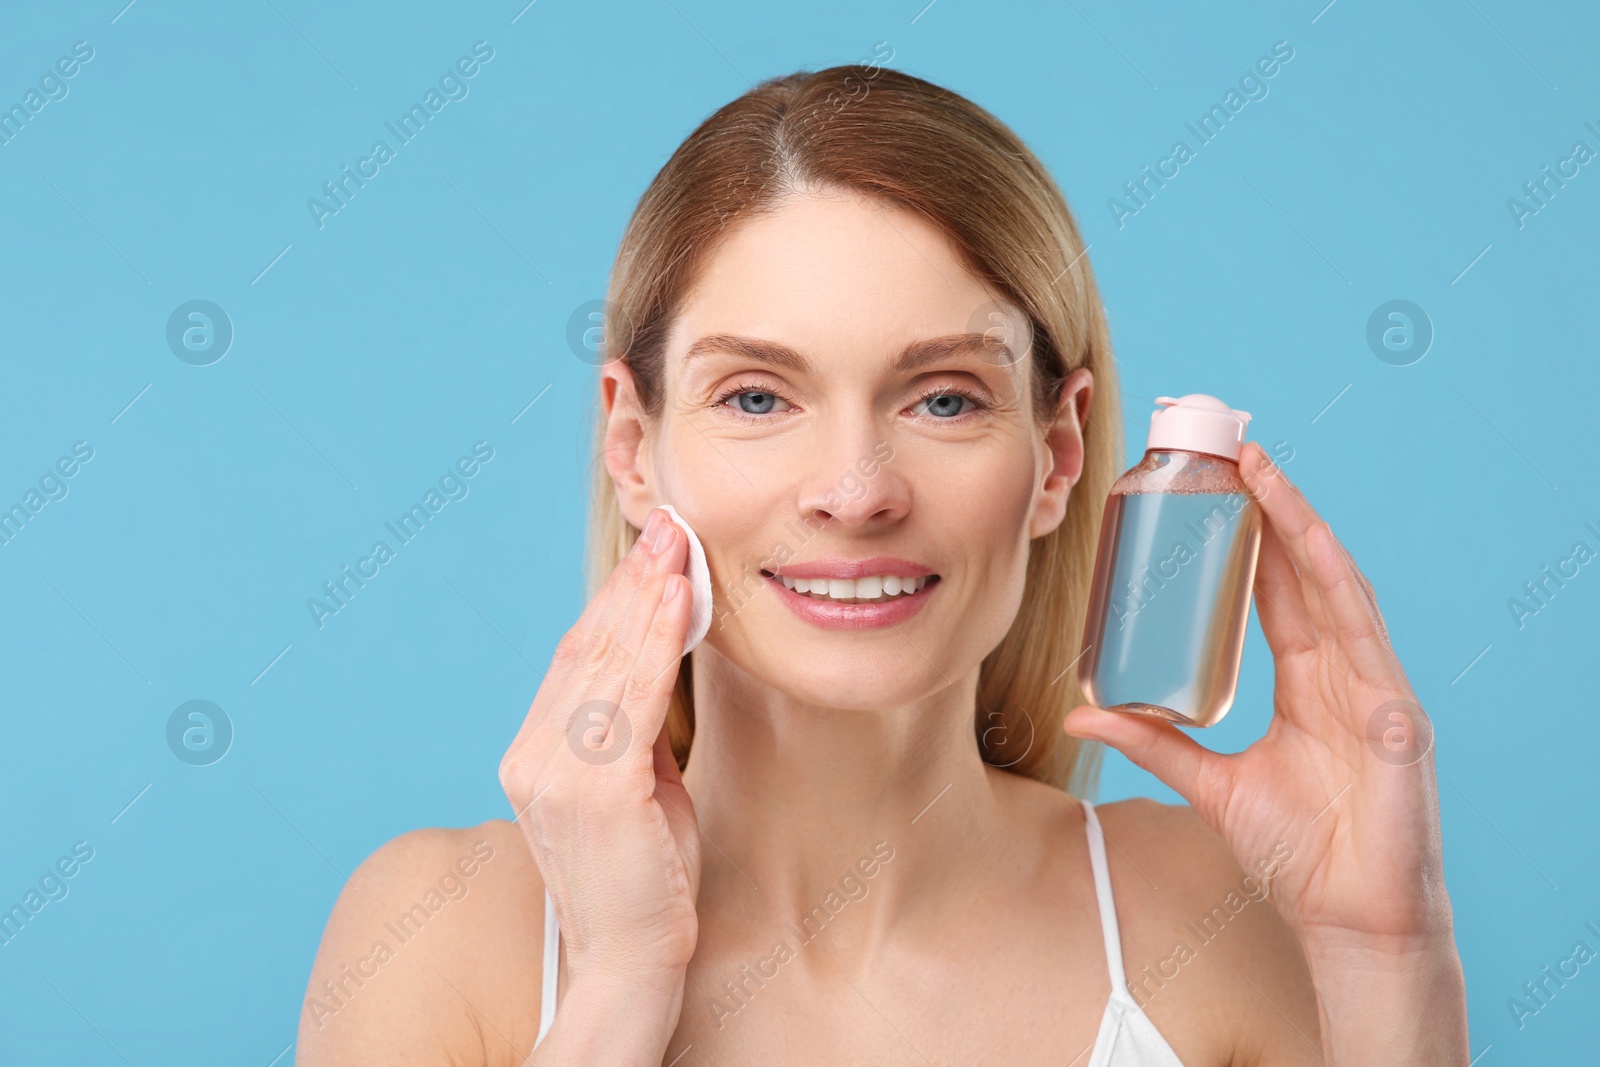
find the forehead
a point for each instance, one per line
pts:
(833, 267)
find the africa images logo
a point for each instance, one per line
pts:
(453, 485)
(452, 86)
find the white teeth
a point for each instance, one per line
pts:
(872, 588)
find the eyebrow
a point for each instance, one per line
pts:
(914, 355)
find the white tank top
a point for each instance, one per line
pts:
(1126, 1038)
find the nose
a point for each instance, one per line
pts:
(856, 483)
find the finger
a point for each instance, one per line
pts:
(1366, 584)
(620, 588)
(678, 807)
(634, 576)
(1353, 615)
(1284, 506)
(1194, 772)
(621, 583)
(1289, 515)
(666, 762)
(595, 685)
(612, 647)
(628, 618)
(1280, 603)
(647, 694)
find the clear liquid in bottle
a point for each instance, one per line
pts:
(1174, 572)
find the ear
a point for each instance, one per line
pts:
(627, 441)
(1064, 446)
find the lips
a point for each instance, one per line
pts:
(875, 589)
(854, 568)
(854, 594)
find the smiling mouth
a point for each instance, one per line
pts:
(879, 589)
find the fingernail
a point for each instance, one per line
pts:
(664, 534)
(672, 590)
(651, 525)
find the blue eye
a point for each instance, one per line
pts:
(751, 401)
(944, 405)
(755, 402)
(949, 404)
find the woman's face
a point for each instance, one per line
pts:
(830, 409)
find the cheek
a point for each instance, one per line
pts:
(740, 529)
(990, 509)
(988, 500)
(995, 530)
(734, 505)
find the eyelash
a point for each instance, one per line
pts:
(979, 406)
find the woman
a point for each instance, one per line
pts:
(854, 335)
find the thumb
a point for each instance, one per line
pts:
(1197, 774)
(663, 761)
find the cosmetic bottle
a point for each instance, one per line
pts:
(1174, 570)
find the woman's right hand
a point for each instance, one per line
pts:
(598, 795)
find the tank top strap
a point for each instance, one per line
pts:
(552, 969)
(1108, 907)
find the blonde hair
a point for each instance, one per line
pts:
(922, 148)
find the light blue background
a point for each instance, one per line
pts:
(429, 312)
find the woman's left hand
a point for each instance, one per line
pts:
(1344, 775)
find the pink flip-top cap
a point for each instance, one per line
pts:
(1198, 423)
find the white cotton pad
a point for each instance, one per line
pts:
(699, 576)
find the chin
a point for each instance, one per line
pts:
(860, 678)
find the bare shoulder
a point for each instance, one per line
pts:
(431, 953)
(1205, 948)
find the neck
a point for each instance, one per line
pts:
(798, 801)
